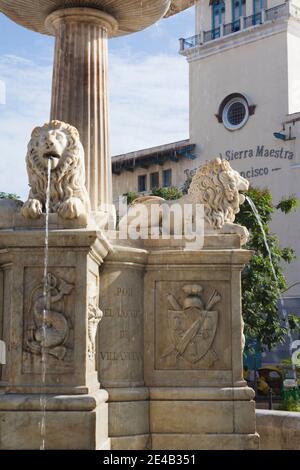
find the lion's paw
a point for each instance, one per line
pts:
(244, 234)
(32, 209)
(72, 208)
(242, 231)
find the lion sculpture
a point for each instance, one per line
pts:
(217, 186)
(58, 143)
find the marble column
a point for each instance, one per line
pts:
(80, 91)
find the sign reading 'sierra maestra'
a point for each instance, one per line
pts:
(258, 151)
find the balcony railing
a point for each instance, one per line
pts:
(212, 34)
(272, 14)
(253, 20)
(276, 12)
(232, 27)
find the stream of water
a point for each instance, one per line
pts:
(281, 300)
(43, 397)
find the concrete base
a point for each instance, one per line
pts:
(279, 430)
(204, 418)
(142, 442)
(205, 441)
(128, 418)
(72, 422)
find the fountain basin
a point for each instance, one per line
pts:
(131, 15)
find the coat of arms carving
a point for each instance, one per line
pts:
(192, 325)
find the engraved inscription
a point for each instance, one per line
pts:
(125, 291)
(121, 351)
(121, 356)
(108, 312)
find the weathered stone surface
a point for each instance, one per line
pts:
(32, 402)
(67, 344)
(206, 398)
(8, 210)
(202, 393)
(278, 430)
(131, 443)
(205, 441)
(184, 417)
(121, 347)
(218, 360)
(73, 290)
(128, 418)
(65, 430)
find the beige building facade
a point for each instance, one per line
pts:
(244, 107)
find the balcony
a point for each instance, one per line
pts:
(265, 16)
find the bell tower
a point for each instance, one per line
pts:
(245, 96)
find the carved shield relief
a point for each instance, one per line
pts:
(192, 324)
(192, 332)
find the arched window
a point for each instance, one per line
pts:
(238, 9)
(218, 14)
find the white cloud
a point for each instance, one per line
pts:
(149, 106)
(27, 104)
(149, 101)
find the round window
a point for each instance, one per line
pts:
(235, 114)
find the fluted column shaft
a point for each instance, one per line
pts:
(79, 90)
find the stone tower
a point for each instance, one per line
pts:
(244, 97)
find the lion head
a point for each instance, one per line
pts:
(56, 144)
(217, 186)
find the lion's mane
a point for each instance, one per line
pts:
(68, 178)
(216, 186)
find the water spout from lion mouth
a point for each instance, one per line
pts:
(53, 158)
(51, 155)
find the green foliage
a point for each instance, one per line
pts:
(167, 193)
(290, 405)
(261, 292)
(288, 205)
(294, 323)
(131, 196)
(9, 196)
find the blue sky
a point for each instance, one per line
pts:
(148, 90)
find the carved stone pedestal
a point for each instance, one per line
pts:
(72, 422)
(181, 386)
(193, 351)
(121, 358)
(56, 358)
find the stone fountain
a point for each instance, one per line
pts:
(141, 340)
(80, 72)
